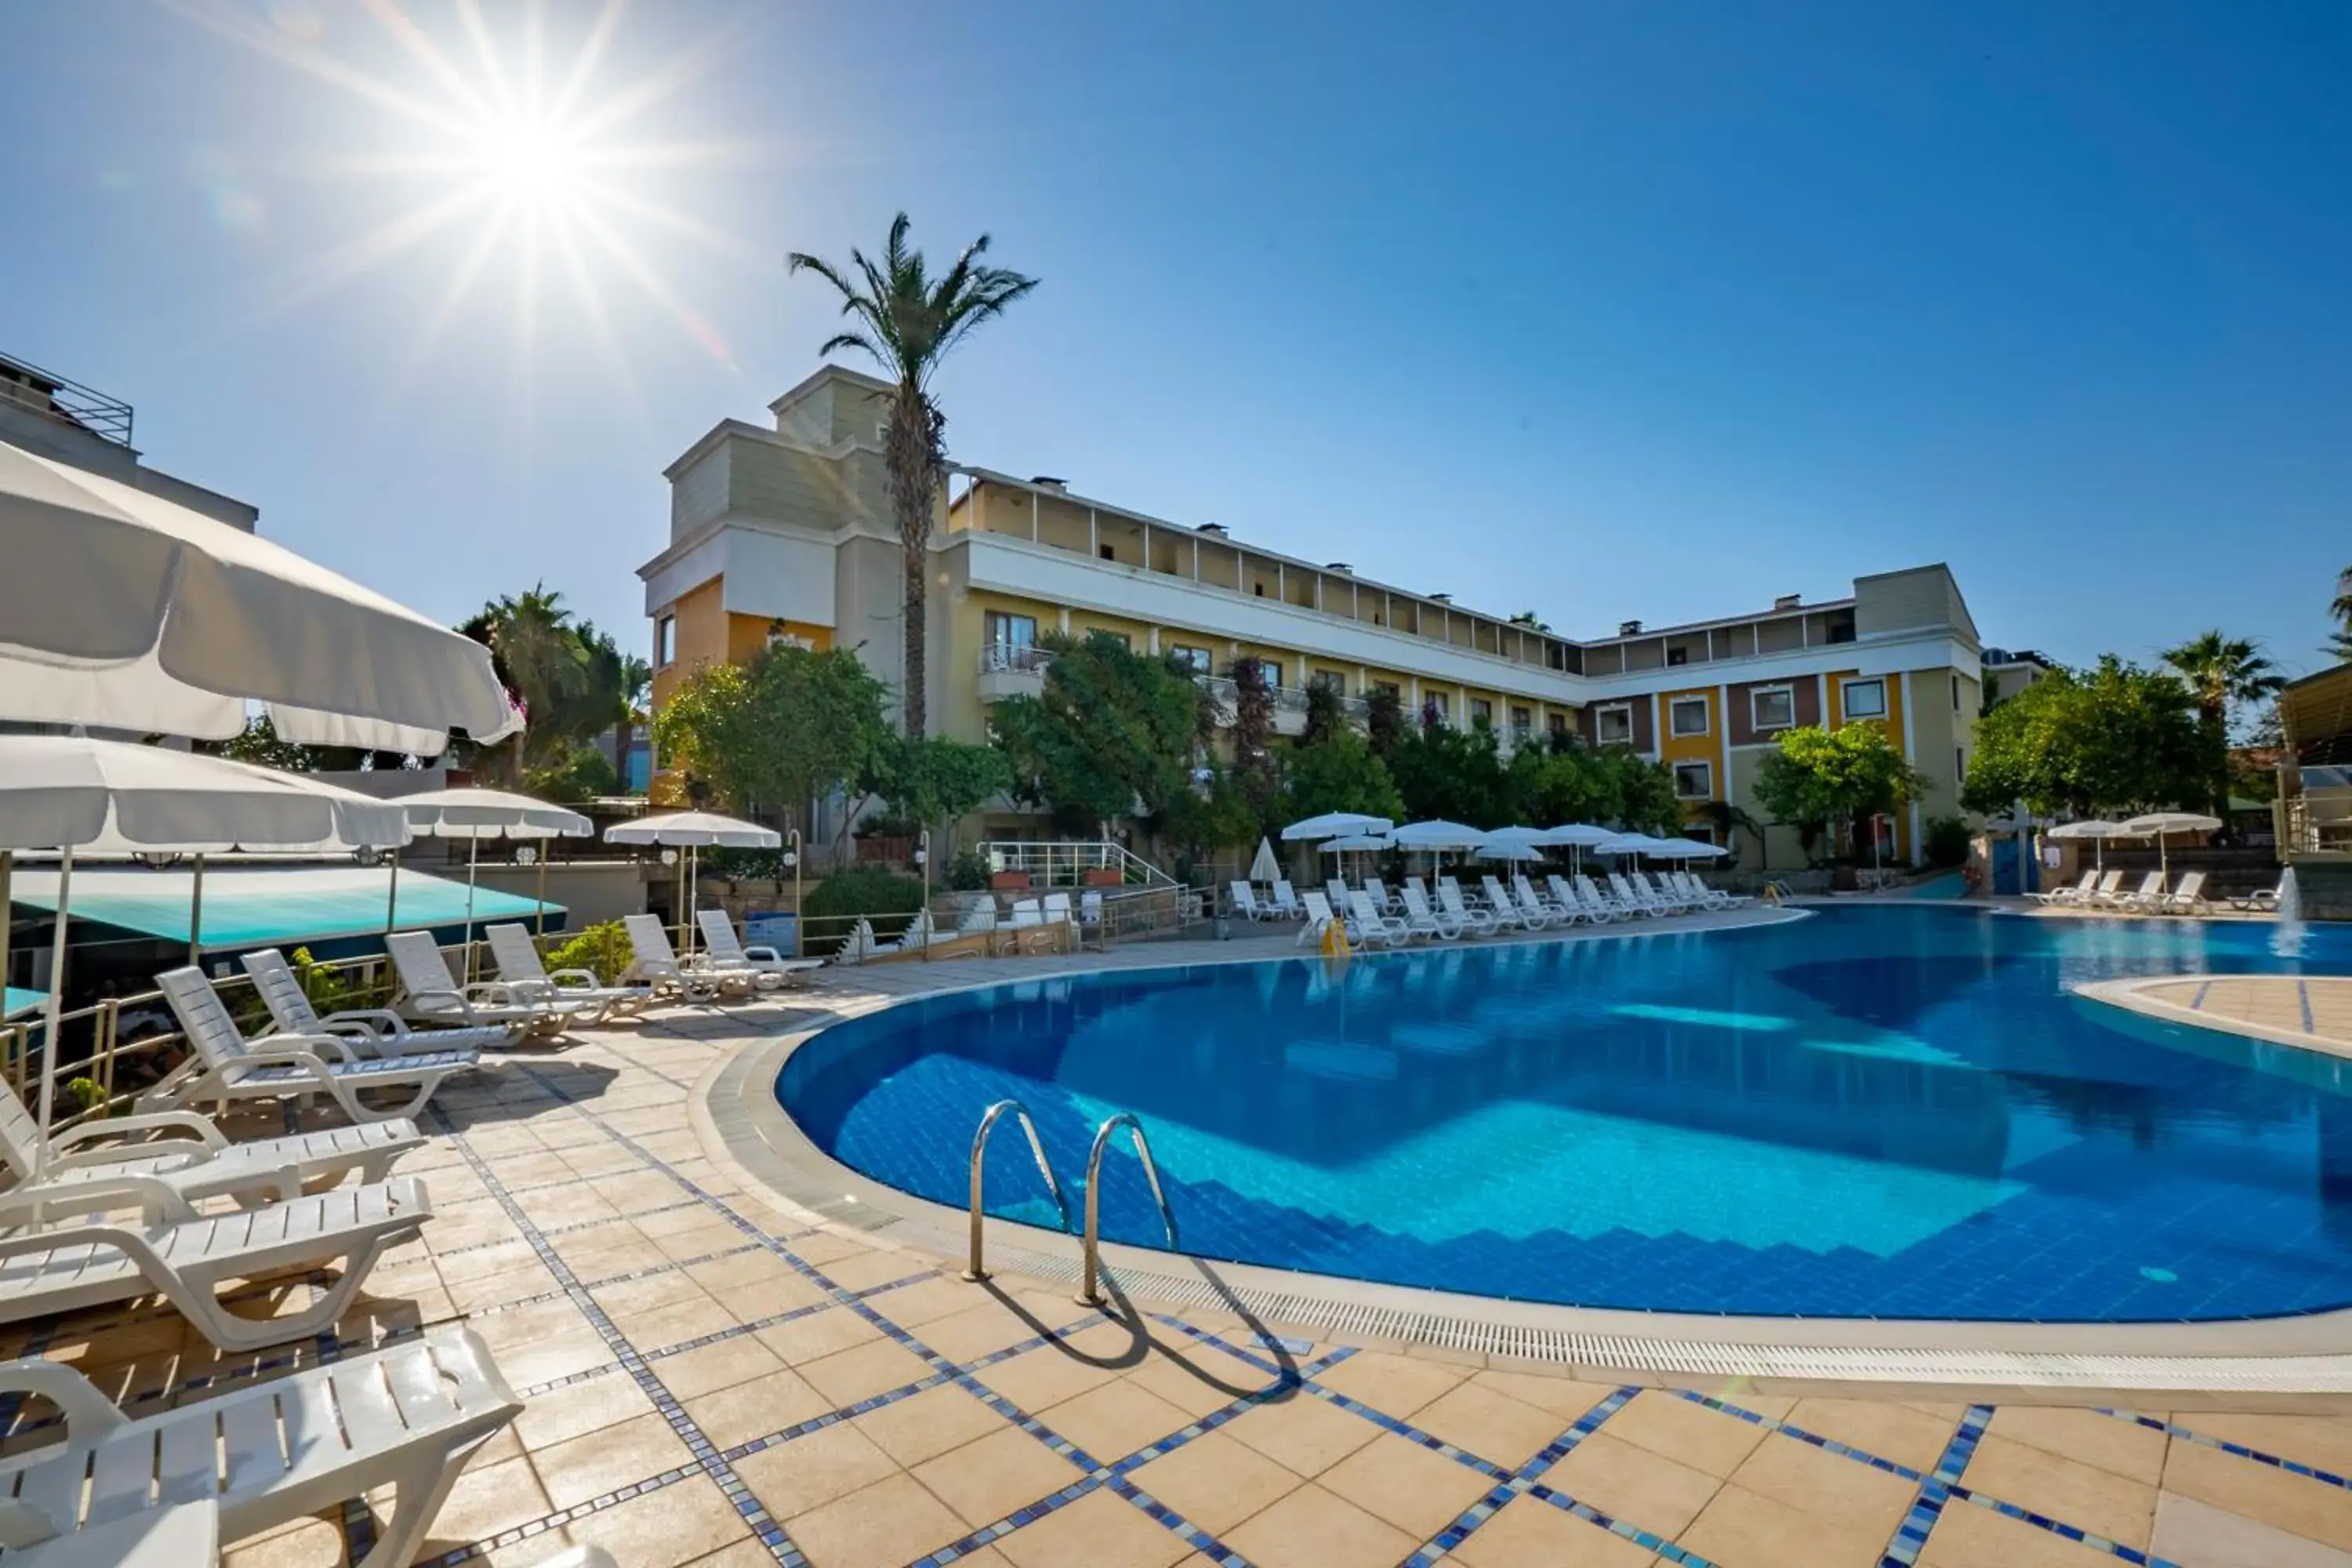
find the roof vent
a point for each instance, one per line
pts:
(1216, 530)
(1049, 482)
(1338, 566)
(1788, 601)
(1627, 629)
(1441, 598)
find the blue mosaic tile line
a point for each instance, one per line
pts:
(2197, 1003)
(2303, 994)
(1649, 1541)
(1522, 1482)
(575, 1226)
(1827, 1445)
(2063, 1531)
(708, 1459)
(2309, 1472)
(1911, 1535)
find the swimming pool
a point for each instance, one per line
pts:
(1877, 1111)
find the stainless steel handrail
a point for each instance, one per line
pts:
(977, 1270)
(1089, 1290)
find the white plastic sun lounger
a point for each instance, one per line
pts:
(200, 1164)
(370, 1031)
(1660, 891)
(2188, 899)
(1693, 893)
(430, 994)
(2147, 897)
(1286, 902)
(723, 948)
(1245, 901)
(1420, 917)
(2079, 892)
(520, 966)
(1507, 913)
(407, 1418)
(1564, 894)
(654, 962)
(1371, 926)
(172, 1535)
(226, 1066)
(186, 1256)
(1473, 923)
(1382, 899)
(1528, 896)
(1320, 917)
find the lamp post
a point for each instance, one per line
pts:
(792, 860)
(923, 864)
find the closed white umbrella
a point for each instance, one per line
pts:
(692, 831)
(69, 792)
(2097, 832)
(2159, 825)
(1333, 824)
(1266, 869)
(121, 608)
(478, 813)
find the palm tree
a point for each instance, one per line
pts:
(907, 322)
(538, 652)
(636, 691)
(2221, 670)
(2342, 610)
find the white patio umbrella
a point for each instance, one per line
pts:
(1683, 849)
(1265, 868)
(1333, 824)
(1509, 849)
(2159, 825)
(1579, 836)
(690, 831)
(2097, 832)
(69, 792)
(1438, 835)
(475, 815)
(124, 609)
(1357, 843)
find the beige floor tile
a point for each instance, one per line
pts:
(742, 1411)
(977, 1331)
(486, 1499)
(1568, 1398)
(1740, 1529)
(1114, 1420)
(893, 1521)
(577, 1409)
(606, 1461)
(1394, 1385)
(767, 1299)
(818, 1335)
(826, 1246)
(933, 1297)
(1878, 1427)
(928, 1424)
(311, 1544)
(1313, 1528)
(1816, 1481)
(1039, 1379)
(691, 1374)
(1099, 1531)
(2199, 1535)
(2322, 1442)
(1493, 1426)
(2062, 1489)
(674, 1324)
(995, 1475)
(1529, 1533)
(809, 1472)
(1644, 1489)
(2304, 1507)
(557, 1355)
(1214, 1482)
(863, 1271)
(683, 1522)
(2126, 1448)
(1416, 1489)
(632, 1296)
(860, 1372)
(1185, 1384)
(1303, 1434)
(753, 1267)
(1686, 1431)
(1967, 1536)
(507, 1275)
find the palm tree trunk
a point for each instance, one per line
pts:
(913, 460)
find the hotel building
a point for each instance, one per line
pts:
(786, 532)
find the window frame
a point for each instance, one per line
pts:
(1196, 655)
(1845, 698)
(1704, 766)
(991, 619)
(1706, 717)
(1602, 711)
(1482, 711)
(1755, 718)
(665, 640)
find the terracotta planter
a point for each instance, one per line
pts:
(1009, 881)
(1103, 877)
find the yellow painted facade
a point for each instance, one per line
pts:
(1834, 715)
(1707, 747)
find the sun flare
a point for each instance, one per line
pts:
(531, 162)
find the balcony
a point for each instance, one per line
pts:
(1011, 670)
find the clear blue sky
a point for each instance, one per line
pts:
(1605, 310)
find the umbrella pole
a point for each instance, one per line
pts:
(473, 865)
(542, 891)
(51, 1007)
(7, 876)
(392, 896)
(196, 915)
(693, 883)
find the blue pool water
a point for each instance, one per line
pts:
(1878, 1111)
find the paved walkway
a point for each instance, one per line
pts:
(712, 1380)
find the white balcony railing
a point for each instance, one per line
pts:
(1002, 658)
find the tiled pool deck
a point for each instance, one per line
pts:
(2314, 1012)
(710, 1379)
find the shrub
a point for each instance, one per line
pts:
(968, 872)
(601, 950)
(885, 898)
(1946, 842)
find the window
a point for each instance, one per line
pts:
(1959, 764)
(1522, 718)
(1614, 726)
(1329, 680)
(1185, 653)
(778, 637)
(1482, 713)
(1120, 637)
(1687, 716)
(1555, 722)
(1106, 551)
(1703, 832)
(1775, 709)
(1863, 699)
(1434, 704)
(1677, 655)
(1388, 688)
(1693, 780)
(1272, 671)
(1001, 630)
(1956, 693)
(665, 641)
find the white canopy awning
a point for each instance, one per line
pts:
(694, 830)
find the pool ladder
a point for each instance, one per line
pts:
(1090, 1286)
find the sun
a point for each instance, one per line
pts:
(531, 162)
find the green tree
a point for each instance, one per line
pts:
(1112, 735)
(261, 746)
(2223, 673)
(1212, 814)
(1383, 719)
(636, 702)
(1820, 778)
(936, 780)
(1443, 772)
(774, 733)
(1640, 792)
(906, 321)
(2114, 740)
(1340, 772)
(2341, 644)
(1255, 771)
